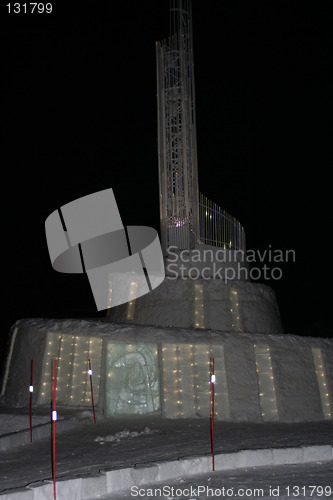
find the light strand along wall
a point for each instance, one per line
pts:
(131, 303)
(186, 380)
(322, 382)
(302, 369)
(235, 311)
(199, 311)
(264, 370)
(72, 353)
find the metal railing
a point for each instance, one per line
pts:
(218, 228)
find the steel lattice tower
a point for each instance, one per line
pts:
(177, 148)
(188, 218)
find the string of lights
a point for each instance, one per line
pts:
(184, 369)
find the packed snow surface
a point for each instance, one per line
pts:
(306, 481)
(14, 423)
(142, 442)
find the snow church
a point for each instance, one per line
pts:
(153, 355)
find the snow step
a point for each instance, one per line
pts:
(116, 480)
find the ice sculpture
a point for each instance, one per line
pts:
(132, 385)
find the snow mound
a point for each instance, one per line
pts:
(125, 434)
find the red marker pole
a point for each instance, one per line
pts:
(213, 380)
(31, 390)
(54, 418)
(92, 393)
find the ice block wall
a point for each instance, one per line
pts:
(166, 371)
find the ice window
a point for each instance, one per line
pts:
(322, 382)
(132, 385)
(265, 376)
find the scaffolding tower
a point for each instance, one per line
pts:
(188, 218)
(177, 148)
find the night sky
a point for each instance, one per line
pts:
(79, 115)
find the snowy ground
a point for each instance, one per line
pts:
(142, 442)
(13, 423)
(306, 481)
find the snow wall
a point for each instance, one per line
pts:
(145, 369)
(235, 305)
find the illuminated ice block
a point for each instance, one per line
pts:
(132, 379)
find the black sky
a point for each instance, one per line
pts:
(79, 115)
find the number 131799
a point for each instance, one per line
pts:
(29, 8)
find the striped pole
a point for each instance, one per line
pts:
(213, 380)
(54, 418)
(31, 390)
(92, 393)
